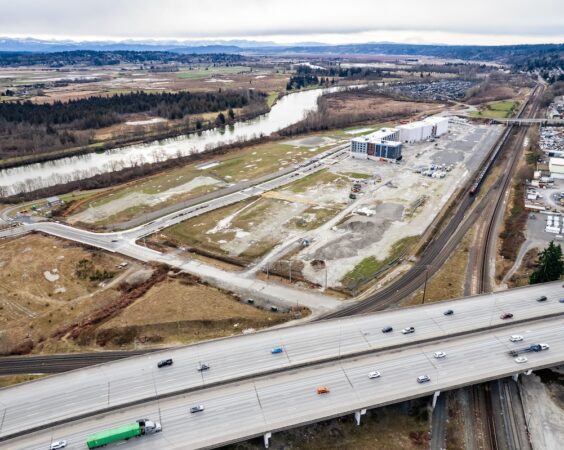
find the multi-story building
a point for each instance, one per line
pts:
(381, 144)
(387, 142)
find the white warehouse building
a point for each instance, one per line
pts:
(386, 142)
(556, 167)
(427, 128)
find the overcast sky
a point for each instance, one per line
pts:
(286, 21)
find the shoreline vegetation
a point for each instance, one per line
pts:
(67, 129)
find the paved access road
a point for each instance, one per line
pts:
(92, 389)
(124, 242)
(241, 410)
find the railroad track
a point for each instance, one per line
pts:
(12, 365)
(482, 394)
(488, 243)
(437, 251)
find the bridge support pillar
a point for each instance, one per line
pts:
(528, 372)
(267, 437)
(515, 377)
(435, 397)
(358, 414)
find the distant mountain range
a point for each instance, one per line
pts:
(509, 53)
(230, 46)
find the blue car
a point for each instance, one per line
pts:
(276, 350)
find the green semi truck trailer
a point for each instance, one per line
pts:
(139, 428)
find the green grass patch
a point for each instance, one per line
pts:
(320, 177)
(271, 99)
(369, 266)
(497, 110)
(356, 175)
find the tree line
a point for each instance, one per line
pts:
(97, 112)
(28, 128)
(109, 58)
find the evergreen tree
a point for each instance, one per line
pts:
(220, 119)
(550, 265)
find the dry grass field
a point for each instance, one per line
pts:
(49, 304)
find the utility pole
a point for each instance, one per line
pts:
(425, 285)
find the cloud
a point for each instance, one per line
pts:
(191, 19)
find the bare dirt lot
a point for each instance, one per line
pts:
(246, 230)
(52, 300)
(396, 203)
(351, 238)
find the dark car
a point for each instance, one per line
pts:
(506, 316)
(542, 298)
(561, 300)
(164, 362)
(196, 409)
(387, 329)
(448, 312)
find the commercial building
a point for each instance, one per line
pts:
(556, 167)
(381, 144)
(433, 126)
(387, 142)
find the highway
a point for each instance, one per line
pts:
(242, 410)
(26, 406)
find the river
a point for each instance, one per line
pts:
(287, 111)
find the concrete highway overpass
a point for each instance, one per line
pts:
(263, 405)
(241, 359)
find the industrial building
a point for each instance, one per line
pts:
(556, 168)
(430, 127)
(387, 142)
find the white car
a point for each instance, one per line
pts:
(521, 359)
(408, 330)
(374, 374)
(544, 346)
(58, 444)
(516, 338)
(423, 378)
(439, 355)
